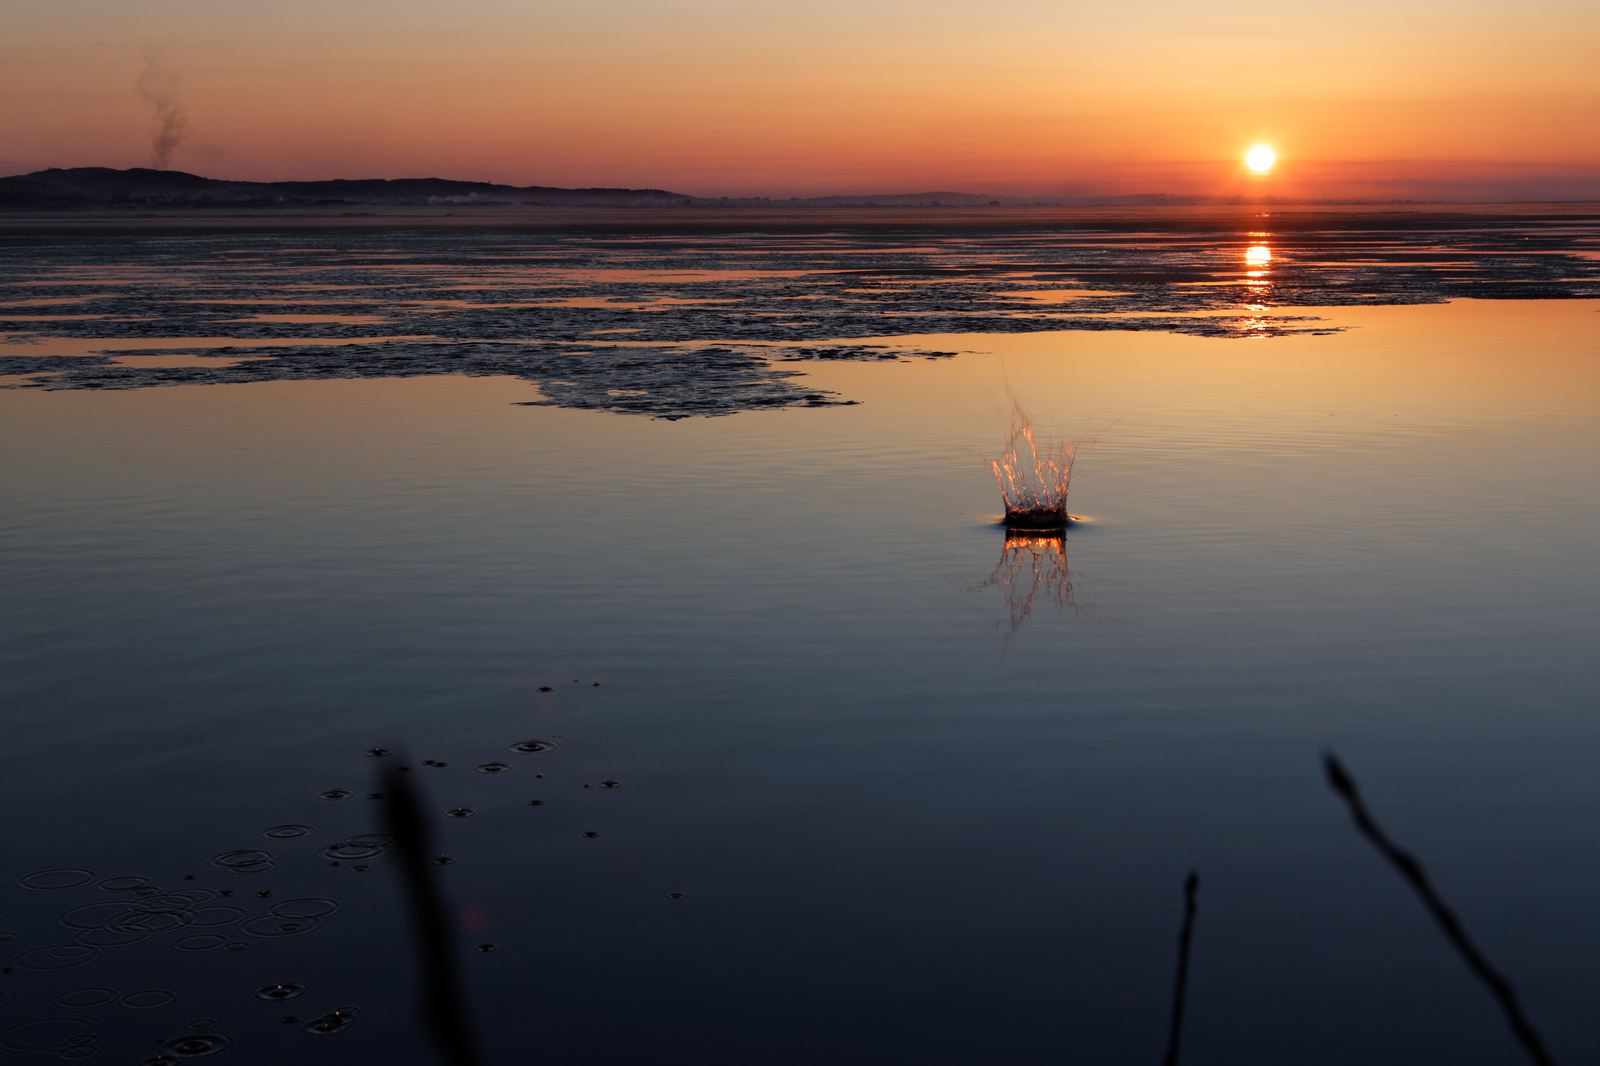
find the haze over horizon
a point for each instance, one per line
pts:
(1421, 100)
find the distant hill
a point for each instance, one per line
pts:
(101, 187)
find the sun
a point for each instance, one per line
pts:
(1260, 158)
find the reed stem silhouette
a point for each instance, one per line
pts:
(1191, 887)
(1345, 785)
(442, 1004)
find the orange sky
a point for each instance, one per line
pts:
(1455, 100)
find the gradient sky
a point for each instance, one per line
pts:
(1423, 99)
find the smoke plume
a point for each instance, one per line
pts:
(158, 86)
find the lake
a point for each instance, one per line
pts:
(831, 766)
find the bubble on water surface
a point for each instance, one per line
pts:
(245, 861)
(53, 880)
(82, 998)
(147, 998)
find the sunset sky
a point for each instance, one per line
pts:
(1360, 98)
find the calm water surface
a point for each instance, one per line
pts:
(915, 815)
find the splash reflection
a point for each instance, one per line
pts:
(1033, 571)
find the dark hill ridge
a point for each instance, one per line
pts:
(100, 187)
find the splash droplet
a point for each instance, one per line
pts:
(460, 812)
(335, 794)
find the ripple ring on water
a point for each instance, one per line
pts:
(245, 861)
(275, 925)
(60, 957)
(47, 1033)
(147, 998)
(53, 880)
(305, 908)
(288, 832)
(197, 1045)
(82, 998)
(279, 993)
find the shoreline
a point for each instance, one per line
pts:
(775, 219)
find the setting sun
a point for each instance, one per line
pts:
(1260, 159)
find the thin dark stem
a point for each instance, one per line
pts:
(442, 1004)
(1191, 886)
(1413, 872)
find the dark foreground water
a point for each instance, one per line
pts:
(928, 794)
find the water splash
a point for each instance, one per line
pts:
(1034, 482)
